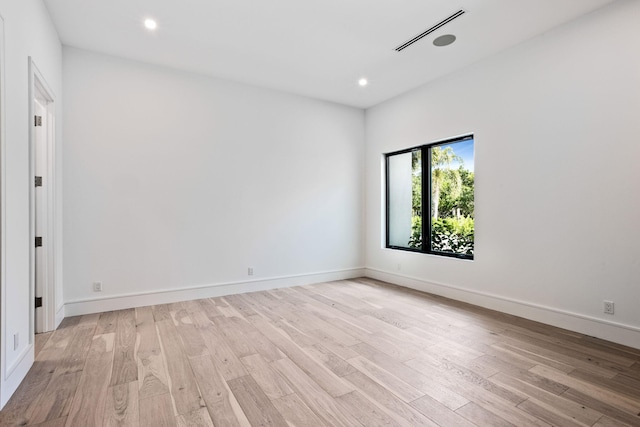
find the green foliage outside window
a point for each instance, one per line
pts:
(452, 203)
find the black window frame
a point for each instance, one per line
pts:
(426, 197)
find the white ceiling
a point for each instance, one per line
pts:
(316, 48)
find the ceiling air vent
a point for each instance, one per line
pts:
(431, 30)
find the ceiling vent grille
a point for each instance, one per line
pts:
(431, 30)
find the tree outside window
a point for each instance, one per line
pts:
(447, 187)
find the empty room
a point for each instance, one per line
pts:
(319, 213)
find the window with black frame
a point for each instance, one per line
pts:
(440, 177)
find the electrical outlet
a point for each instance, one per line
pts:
(250, 271)
(16, 341)
(609, 307)
(97, 286)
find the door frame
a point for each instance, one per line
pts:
(38, 87)
(3, 204)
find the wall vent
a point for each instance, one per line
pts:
(431, 30)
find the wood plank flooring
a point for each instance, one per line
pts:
(346, 353)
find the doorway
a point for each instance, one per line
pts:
(42, 157)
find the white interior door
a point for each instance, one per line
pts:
(40, 124)
(43, 203)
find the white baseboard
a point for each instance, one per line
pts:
(15, 374)
(611, 331)
(59, 316)
(141, 299)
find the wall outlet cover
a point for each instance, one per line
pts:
(609, 307)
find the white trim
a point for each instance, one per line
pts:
(20, 359)
(31, 192)
(38, 84)
(611, 331)
(6, 389)
(16, 374)
(141, 299)
(60, 314)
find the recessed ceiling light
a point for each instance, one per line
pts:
(445, 40)
(363, 82)
(150, 24)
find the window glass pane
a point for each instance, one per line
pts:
(404, 174)
(452, 201)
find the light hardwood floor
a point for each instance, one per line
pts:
(345, 353)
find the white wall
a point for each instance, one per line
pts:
(556, 125)
(175, 182)
(28, 31)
